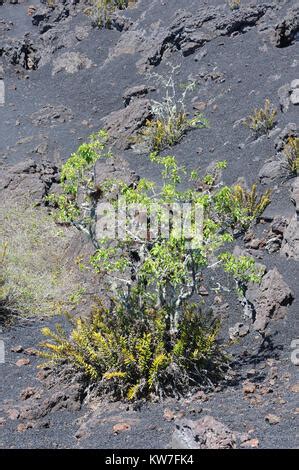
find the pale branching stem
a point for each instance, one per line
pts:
(214, 264)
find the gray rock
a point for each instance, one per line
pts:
(187, 31)
(295, 193)
(114, 168)
(138, 91)
(56, 31)
(270, 171)
(22, 52)
(118, 21)
(200, 55)
(270, 299)
(123, 124)
(47, 18)
(273, 244)
(66, 393)
(70, 62)
(82, 32)
(284, 97)
(206, 433)
(290, 244)
(43, 13)
(279, 225)
(51, 114)
(26, 166)
(291, 130)
(238, 330)
(285, 31)
(5, 26)
(295, 96)
(24, 186)
(254, 244)
(27, 180)
(2, 93)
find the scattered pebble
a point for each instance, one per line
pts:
(27, 393)
(17, 349)
(30, 351)
(252, 443)
(13, 414)
(295, 388)
(272, 419)
(22, 427)
(249, 387)
(22, 362)
(121, 427)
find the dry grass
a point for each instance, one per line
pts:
(171, 121)
(34, 275)
(262, 120)
(234, 4)
(291, 152)
(102, 10)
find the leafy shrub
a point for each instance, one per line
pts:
(75, 174)
(238, 207)
(291, 152)
(262, 120)
(166, 271)
(242, 268)
(171, 121)
(68, 208)
(130, 353)
(33, 276)
(103, 10)
(167, 131)
(152, 341)
(171, 267)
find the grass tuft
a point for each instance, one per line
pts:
(262, 120)
(34, 277)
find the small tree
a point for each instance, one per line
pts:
(171, 120)
(166, 272)
(153, 340)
